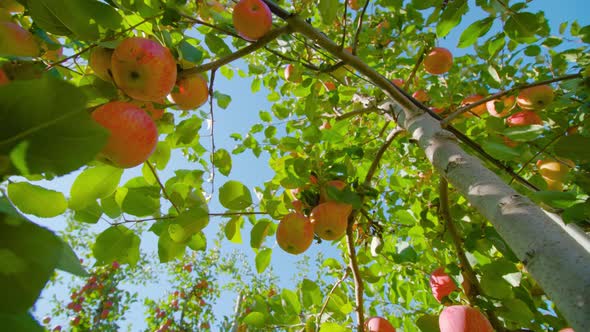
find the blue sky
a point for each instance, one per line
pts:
(238, 118)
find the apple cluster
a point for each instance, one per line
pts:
(328, 219)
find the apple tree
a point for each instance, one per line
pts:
(440, 147)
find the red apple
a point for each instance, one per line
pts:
(295, 233)
(252, 19)
(379, 324)
(100, 62)
(479, 110)
(330, 219)
(461, 318)
(133, 134)
(421, 96)
(16, 41)
(193, 92)
(535, 98)
(438, 61)
(354, 4)
(151, 109)
(437, 110)
(524, 118)
(506, 104)
(567, 329)
(143, 69)
(441, 284)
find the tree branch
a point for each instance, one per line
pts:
(260, 43)
(212, 130)
(356, 274)
(466, 108)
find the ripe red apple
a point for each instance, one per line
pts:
(441, 284)
(554, 172)
(567, 329)
(143, 69)
(252, 19)
(100, 62)
(421, 96)
(295, 233)
(438, 61)
(535, 98)
(524, 118)
(193, 92)
(462, 318)
(506, 104)
(133, 134)
(437, 110)
(330, 219)
(16, 41)
(379, 324)
(3, 77)
(292, 74)
(479, 110)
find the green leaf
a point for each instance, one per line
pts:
(574, 147)
(474, 31)
(69, 261)
(258, 233)
(517, 311)
(328, 11)
(216, 45)
(223, 100)
(36, 200)
(263, 259)
(222, 160)
(333, 327)
(291, 302)
(92, 184)
(22, 322)
(311, 293)
(234, 195)
(46, 121)
(522, 27)
(140, 202)
(188, 223)
(557, 199)
(81, 18)
(451, 17)
(532, 50)
(233, 230)
(189, 52)
(428, 323)
(496, 287)
(28, 255)
(501, 151)
(168, 249)
(117, 243)
(198, 242)
(524, 133)
(90, 214)
(255, 318)
(404, 217)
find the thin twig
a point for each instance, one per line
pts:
(415, 69)
(359, 26)
(373, 168)
(260, 43)
(153, 170)
(212, 130)
(466, 108)
(329, 295)
(465, 265)
(357, 112)
(356, 274)
(212, 26)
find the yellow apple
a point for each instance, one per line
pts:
(330, 219)
(191, 92)
(16, 41)
(100, 62)
(294, 233)
(535, 98)
(438, 61)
